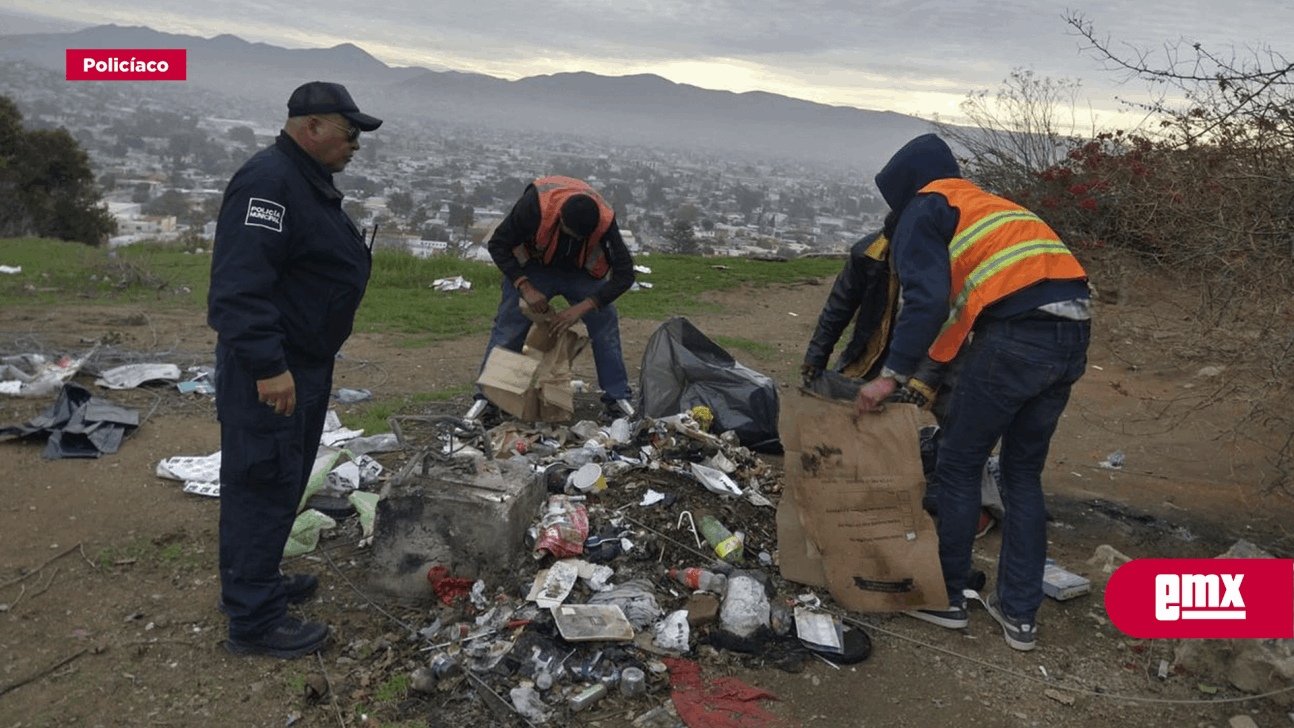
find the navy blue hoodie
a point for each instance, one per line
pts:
(919, 251)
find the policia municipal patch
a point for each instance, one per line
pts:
(266, 214)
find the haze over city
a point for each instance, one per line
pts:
(920, 59)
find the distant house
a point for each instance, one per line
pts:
(131, 222)
(124, 209)
(478, 253)
(427, 248)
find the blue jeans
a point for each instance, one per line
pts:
(511, 326)
(1013, 383)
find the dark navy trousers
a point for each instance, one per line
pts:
(265, 463)
(1013, 382)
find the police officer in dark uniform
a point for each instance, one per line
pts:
(288, 271)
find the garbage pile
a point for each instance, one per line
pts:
(654, 544)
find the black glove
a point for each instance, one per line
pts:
(930, 374)
(809, 372)
(908, 395)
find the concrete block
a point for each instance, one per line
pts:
(470, 517)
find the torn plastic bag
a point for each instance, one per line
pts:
(636, 597)
(130, 376)
(79, 424)
(682, 368)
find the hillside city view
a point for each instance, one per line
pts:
(163, 152)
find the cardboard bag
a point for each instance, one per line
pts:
(856, 485)
(536, 385)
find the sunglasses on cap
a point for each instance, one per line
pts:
(352, 131)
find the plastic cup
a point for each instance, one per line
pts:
(632, 681)
(588, 478)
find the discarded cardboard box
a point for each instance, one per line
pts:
(536, 385)
(857, 485)
(797, 556)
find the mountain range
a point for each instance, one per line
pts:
(625, 110)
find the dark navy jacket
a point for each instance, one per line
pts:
(919, 251)
(289, 267)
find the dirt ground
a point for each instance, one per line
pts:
(108, 581)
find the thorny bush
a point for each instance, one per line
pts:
(1220, 217)
(1207, 200)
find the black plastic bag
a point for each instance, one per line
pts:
(682, 368)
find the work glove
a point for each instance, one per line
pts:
(914, 392)
(922, 386)
(809, 372)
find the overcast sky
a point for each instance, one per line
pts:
(918, 57)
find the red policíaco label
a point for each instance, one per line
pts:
(116, 64)
(1208, 598)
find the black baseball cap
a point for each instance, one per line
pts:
(325, 97)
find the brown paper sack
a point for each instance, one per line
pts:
(856, 483)
(536, 385)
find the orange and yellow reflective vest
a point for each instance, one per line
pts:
(999, 248)
(553, 191)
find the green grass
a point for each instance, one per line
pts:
(399, 300)
(679, 281)
(393, 689)
(144, 551)
(758, 348)
(54, 271)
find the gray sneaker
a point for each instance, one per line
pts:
(954, 617)
(1020, 635)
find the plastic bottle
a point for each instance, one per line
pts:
(588, 696)
(456, 633)
(700, 579)
(443, 666)
(725, 544)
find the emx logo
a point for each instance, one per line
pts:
(1228, 598)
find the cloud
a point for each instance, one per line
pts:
(913, 54)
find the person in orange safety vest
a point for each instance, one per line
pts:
(987, 282)
(561, 239)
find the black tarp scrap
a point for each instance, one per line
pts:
(79, 425)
